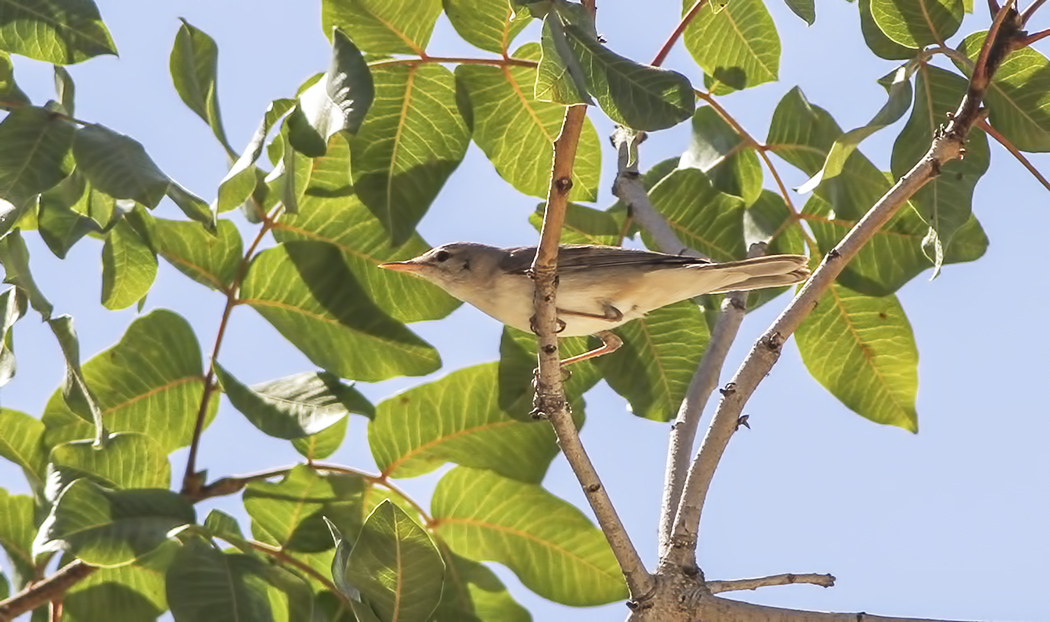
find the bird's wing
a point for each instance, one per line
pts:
(585, 257)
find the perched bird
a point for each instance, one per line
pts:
(599, 287)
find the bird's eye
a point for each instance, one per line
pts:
(441, 256)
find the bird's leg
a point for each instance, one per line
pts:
(610, 343)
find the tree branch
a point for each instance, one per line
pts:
(947, 145)
(823, 580)
(550, 395)
(42, 592)
(1014, 151)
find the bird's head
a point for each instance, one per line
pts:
(460, 268)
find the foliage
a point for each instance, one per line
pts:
(356, 159)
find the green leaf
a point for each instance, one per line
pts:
(804, 9)
(801, 133)
(722, 153)
(194, 67)
(211, 260)
(879, 43)
(65, 90)
(192, 205)
(458, 419)
(324, 443)
(585, 225)
(75, 392)
(331, 213)
(383, 26)
(127, 460)
(395, 566)
(560, 77)
(488, 24)
(704, 218)
(5, 587)
(899, 90)
(552, 547)
(128, 268)
(21, 442)
(631, 94)
(862, 349)
(341, 99)
(119, 166)
(241, 179)
(14, 256)
(16, 535)
(296, 406)
(658, 359)
(132, 593)
(516, 130)
(34, 156)
(737, 45)
(62, 216)
(918, 23)
(305, 290)
(13, 305)
(149, 382)
(340, 563)
(945, 203)
(63, 33)
(473, 593)
(8, 87)
(895, 254)
(207, 585)
(105, 527)
(289, 514)
(412, 140)
(1018, 99)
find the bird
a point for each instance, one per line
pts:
(599, 287)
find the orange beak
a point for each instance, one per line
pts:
(408, 267)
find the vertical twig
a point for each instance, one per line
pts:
(550, 394)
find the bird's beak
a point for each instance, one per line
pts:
(409, 267)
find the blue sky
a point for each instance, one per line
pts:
(949, 523)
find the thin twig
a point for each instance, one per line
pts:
(550, 394)
(191, 481)
(947, 145)
(661, 56)
(1009, 146)
(717, 587)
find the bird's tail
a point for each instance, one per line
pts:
(760, 272)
